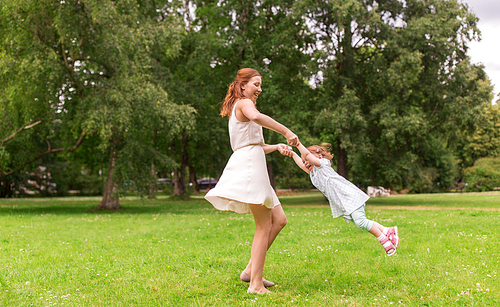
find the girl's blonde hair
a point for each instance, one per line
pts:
(234, 91)
(324, 149)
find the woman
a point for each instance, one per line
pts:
(244, 185)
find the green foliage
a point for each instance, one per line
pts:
(392, 86)
(396, 83)
(70, 176)
(4, 158)
(483, 141)
(302, 182)
(266, 37)
(484, 175)
(71, 69)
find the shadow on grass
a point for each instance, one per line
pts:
(138, 206)
(166, 205)
(197, 204)
(305, 200)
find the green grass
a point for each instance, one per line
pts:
(59, 251)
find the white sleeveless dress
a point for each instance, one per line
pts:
(244, 180)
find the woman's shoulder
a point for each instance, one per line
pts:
(244, 101)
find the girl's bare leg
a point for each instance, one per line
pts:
(278, 220)
(262, 217)
(376, 230)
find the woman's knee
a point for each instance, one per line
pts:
(281, 221)
(279, 217)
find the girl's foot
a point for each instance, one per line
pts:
(262, 291)
(388, 246)
(393, 235)
(244, 277)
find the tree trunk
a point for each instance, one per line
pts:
(192, 179)
(152, 186)
(6, 187)
(110, 200)
(346, 58)
(342, 167)
(179, 187)
(346, 70)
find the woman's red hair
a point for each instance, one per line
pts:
(234, 91)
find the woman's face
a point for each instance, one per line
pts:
(252, 89)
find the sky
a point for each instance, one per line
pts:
(487, 51)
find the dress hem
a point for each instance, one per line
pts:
(232, 204)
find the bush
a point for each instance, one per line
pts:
(484, 175)
(295, 183)
(424, 180)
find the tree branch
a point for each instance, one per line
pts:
(24, 127)
(434, 111)
(50, 151)
(70, 69)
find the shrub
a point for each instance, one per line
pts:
(484, 175)
(296, 182)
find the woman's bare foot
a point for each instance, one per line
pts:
(263, 290)
(246, 278)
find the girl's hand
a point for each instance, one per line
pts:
(292, 139)
(308, 165)
(285, 150)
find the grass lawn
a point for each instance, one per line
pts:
(60, 252)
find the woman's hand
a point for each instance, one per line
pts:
(285, 150)
(292, 139)
(308, 165)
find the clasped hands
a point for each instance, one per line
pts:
(293, 140)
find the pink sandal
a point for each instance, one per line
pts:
(390, 249)
(392, 234)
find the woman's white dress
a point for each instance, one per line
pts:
(245, 179)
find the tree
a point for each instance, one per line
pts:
(267, 37)
(483, 141)
(396, 82)
(195, 83)
(32, 81)
(88, 67)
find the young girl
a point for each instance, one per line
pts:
(345, 198)
(244, 185)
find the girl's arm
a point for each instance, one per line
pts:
(282, 148)
(300, 163)
(246, 110)
(306, 155)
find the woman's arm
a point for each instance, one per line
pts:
(300, 163)
(306, 155)
(246, 110)
(282, 148)
(269, 148)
